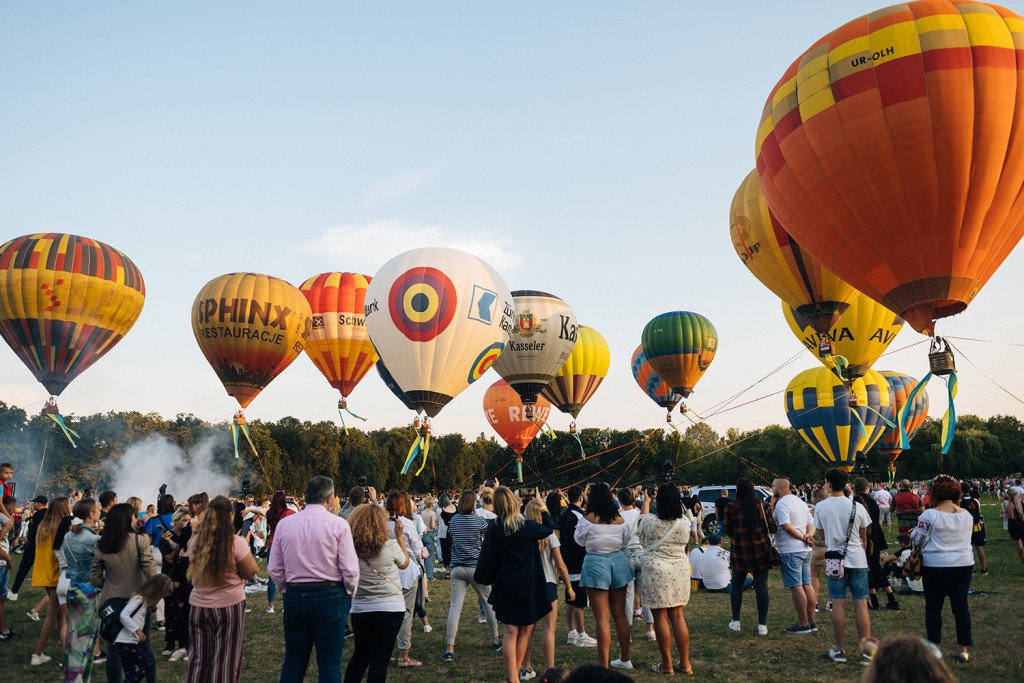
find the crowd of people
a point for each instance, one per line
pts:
(362, 567)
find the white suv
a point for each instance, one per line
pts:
(709, 494)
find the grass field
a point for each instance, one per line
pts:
(717, 653)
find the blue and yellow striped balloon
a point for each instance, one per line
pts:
(819, 408)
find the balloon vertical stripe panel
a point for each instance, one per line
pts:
(650, 382)
(680, 346)
(893, 151)
(65, 301)
(901, 386)
(581, 375)
(339, 343)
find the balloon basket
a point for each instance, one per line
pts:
(940, 357)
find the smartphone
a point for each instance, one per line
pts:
(162, 528)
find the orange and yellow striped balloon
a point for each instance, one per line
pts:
(339, 344)
(65, 300)
(250, 327)
(582, 373)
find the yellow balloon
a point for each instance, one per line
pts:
(862, 334)
(774, 258)
(582, 373)
(250, 327)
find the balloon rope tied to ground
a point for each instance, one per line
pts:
(942, 363)
(421, 445)
(51, 411)
(343, 406)
(238, 424)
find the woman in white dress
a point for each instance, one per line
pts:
(665, 576)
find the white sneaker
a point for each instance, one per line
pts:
(13, 597)
(32, 614)
(762, 630)
(427, 628)
(583, 640)
(651, 635)
(39, 659)
(619, 664)
(270, 609)
(734, 626)
(481, 619)
(178, 655)
(571, 638)
(638, 613)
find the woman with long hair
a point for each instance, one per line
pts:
(46, 574)
(136, 504)
(219, 565)
(519, 594)
(79, 548)
(277, 511)
(605, 572)
(749, 523)
(378, 607)
(466, 535)
(122, 563)
(398, 511)
(665, 576)
(551, 560)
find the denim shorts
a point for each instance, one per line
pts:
(605, 571)
(3, 580)
(796, 569)
(856, 579)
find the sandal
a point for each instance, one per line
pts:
(656, 668)
(408, 663)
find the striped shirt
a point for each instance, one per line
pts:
(467, 535)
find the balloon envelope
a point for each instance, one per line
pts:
(651, 383)
(861, 336)
(65, 300)
(818, 407)
(250, 327)
(680, 346)
(901, 385)
(893, 150)
(581, 375)
(392, 385)
(774, 258)
(338, 343)
(543, 335)
(504, 412)
(439, 318)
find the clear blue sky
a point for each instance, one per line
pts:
(590, 149)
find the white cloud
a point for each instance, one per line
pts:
(367, 246)
(400, 184)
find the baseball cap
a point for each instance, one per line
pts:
(714, 539)
(40, 499)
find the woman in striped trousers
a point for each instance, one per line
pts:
(219, 565)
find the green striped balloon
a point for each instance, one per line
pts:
(680, 346)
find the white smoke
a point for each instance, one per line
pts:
(156, 460)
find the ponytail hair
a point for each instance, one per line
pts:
(82, 511)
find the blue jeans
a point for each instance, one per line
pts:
(314, 616)
(428, 562)
(271, 589)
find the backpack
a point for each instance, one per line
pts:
(110, 617)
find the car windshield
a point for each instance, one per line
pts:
(711, 495)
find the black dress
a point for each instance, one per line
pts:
(446, 542)
(876, 543)
(979, 537)
(519, 593)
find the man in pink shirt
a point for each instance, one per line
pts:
(314, 565)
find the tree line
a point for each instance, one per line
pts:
(290, 451)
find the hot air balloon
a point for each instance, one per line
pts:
(893, 150)
(820, 408)
(680, 346)
(861, 336)
(65, 300)
(506, 414)
(580, 375)
(891, 442)
(652, 384)
(543, 335)
(774, 258)
(338, 343)
(250, 327)
(439, 318)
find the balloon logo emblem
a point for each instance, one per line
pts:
(485, 360)
(422, 303)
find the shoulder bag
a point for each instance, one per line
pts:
(773, 553)
(835, 560)
(664, 538)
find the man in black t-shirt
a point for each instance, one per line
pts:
(573, 554)
(29, 558)
(721, 503)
